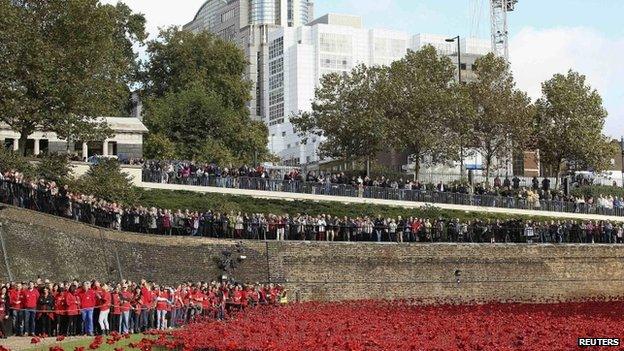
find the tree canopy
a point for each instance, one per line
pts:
(347, 114)
(419, 104)
(63, 63)
(196, 100)
(502, 114)
(569, 122)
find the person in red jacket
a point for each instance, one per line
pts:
(104, 300)
(60, 311)
(115, 308)
(162, 303)
(29, 299)
(87, 303)
(15, 302)
(146, 305)
(126, 300)
(72, 306)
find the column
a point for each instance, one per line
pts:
(37, 151)
(85, 151)
(105, 148)
(15, 144)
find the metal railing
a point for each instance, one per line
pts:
(419, 195)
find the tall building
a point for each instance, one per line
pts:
(298, 57)
(247, 23)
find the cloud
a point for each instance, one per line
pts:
(537, 54)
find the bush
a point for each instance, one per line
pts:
(54, 168)
(106, 181)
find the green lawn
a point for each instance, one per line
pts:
(226, 203)
(71, 345)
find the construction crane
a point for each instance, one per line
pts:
(500, 33)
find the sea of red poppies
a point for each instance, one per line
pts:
(394, 325)
(403, 325)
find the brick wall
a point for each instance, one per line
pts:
(41, 245)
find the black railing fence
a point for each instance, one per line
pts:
(419, 195)
(312, 228)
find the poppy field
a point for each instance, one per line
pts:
(385, 325)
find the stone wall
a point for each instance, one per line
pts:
(41, 245)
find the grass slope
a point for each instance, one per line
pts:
(225, 203)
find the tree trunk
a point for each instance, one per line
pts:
(488, 162)
(368, 166)
(416, 164)
(558, 174)
(461, 160)
(21, 145)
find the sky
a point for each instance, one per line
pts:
(547, 37)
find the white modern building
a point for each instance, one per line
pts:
(297, 57)
(248, 23)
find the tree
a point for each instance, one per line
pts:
(196, 98)
(347, 114)
(569, 122)
(66, 59)
(106, 181)
(419, 103)
(502, 114)
(54, 168)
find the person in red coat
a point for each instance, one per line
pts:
(72, 305)
(115, 308)
(104, 300)
(29, 299)
(87, 303)
(15, 302)
(60, 311)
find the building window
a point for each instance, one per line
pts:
(276, 48)
(226, 16)
(337, 43)
(283, 134)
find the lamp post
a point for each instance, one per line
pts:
(450, 40)
(622, 149)
(459, 79)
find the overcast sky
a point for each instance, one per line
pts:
(548, 37)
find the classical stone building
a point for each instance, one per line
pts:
(126, 142)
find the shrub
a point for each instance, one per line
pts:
(106, 181)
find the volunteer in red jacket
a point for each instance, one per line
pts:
(29, 299)
(72, 305)
(15, 302)
(87, 303)
(116, 308)
(60, 311)
(104, 300)
(162, 301)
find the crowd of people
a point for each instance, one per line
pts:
(48, 197)
(500, 192)
(68, 308)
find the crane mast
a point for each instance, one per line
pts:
(500, 33)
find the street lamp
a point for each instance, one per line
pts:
(459, 79)
(450, 40)
(622, 148)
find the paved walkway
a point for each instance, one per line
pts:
(359, 200)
